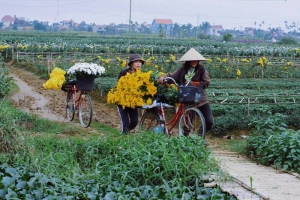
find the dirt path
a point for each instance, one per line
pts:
(267, 183)
(50, 104)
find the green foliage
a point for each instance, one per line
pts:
(5, 81)
(272, 123)
(287, 41)
(86, 166)
(272, 143)
(227, 37)
(21, 183)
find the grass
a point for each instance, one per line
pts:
(102, 154)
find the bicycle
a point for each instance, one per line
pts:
(78, 100)
(190, 119)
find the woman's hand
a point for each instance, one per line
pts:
(160, 80)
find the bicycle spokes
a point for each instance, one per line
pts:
(85, 110)
(70, 107)
(192, 122)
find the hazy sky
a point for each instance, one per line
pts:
(228, 13)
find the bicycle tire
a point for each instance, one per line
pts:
(192, 123)
(70, 107)
(85, 110)
(151, 121)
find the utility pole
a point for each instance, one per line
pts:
(57, 11)
(129, 31)
(197, 26)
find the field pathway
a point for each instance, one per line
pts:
(267, 182)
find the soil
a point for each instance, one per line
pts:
(50, 104)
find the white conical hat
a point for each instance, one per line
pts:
(190, 55)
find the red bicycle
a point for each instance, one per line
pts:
(78, 100)
(189, 118)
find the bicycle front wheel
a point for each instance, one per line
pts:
(150, 121)
(85, 110)
(192, 123)
(70, 106)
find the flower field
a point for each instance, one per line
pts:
(250, 85)
(245, 76)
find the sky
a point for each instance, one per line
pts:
(231, 14)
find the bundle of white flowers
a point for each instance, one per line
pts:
(86, 70)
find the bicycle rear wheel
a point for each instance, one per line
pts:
(70, 107)
(151, 121)
(192, 123)
(85, 110)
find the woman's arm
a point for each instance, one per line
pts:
(205, 80)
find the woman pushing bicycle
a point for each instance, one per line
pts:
(193, 71)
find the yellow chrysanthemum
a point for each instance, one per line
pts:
(133, 90)
(56, 80)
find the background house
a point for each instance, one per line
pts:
(162, 26)
(249, 31)
(7, 21)
(216, 30)
(99, 28)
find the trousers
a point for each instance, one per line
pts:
(208, 116)
(129, 118)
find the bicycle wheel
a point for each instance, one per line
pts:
(70, 107)
(85, 110)
(192, 123)
(151, 121)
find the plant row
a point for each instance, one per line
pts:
(273, 143)
(99, 44)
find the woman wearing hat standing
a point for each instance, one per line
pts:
(200, 77)
(129, 116)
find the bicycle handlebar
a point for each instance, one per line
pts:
(165, 80)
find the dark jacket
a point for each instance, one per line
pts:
(201, 76)
(124, 72)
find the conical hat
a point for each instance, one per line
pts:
(191, 55)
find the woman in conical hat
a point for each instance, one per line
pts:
(195, 73)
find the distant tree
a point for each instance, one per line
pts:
(288, 41)
(204, 27)
(203, 36)
(227, 37)
(110, 29)
(39, 26)
(1, 24)
(161, 31)
(82, 26)
(145, 29)
(176, 30)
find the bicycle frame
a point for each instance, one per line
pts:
(76, 101)
(175, 119)
(172, 123)
(81, 102)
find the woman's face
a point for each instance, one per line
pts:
(136, 65)
(193, 63)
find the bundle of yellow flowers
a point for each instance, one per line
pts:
(56, 80)
(133, 90)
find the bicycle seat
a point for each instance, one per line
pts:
(71, 82)
(155, 104)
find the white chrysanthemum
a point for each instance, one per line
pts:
(86, 69)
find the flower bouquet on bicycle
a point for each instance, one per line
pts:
(77, 91)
